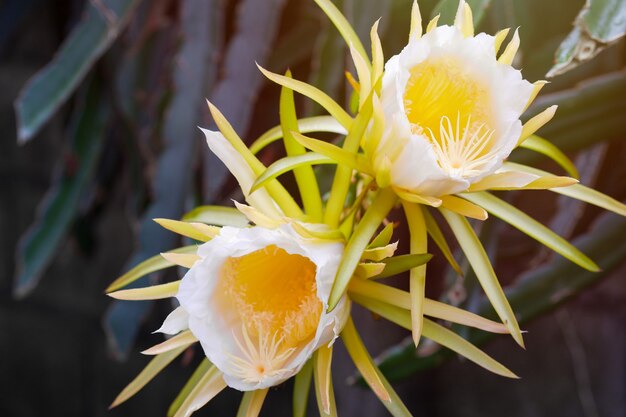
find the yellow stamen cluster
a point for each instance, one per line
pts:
(453, 110)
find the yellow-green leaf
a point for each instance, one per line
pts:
(383, 238)
(374, 215)
(187, 229)
(153, 292)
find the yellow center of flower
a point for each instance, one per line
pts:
(453, 111)
(275, 293)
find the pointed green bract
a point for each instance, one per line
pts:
(183, 228)
(305, 177)
(153, 264)
(327, 124)
(537, 144)
(531, 227)
(151, 370)
(382, 204)
(478, 259)
(301, 388)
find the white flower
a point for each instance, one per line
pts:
(451, 112)
(256, 300)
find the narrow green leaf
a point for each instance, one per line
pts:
(37, 247)
(290, 163)
(200, 371)
(531, 227)
(579, 192)
(217, 215)
(301, 388)
(417, 279)
(51, 86)
(151, 370)
(478, 259)
(326, 124)
(156, 263)
(537, 144)
(374, 215)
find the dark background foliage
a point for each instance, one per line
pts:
(120, 146)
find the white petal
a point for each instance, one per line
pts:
(238, 166)
(175, 322)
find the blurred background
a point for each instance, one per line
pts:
(99, 106)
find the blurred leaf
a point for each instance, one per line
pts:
(40, 243)
(591, 112)
(447, 9)
(295, 46)
(171, 184)
(599, 24)
(535, 292)
(256, 25)
(51, 86)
